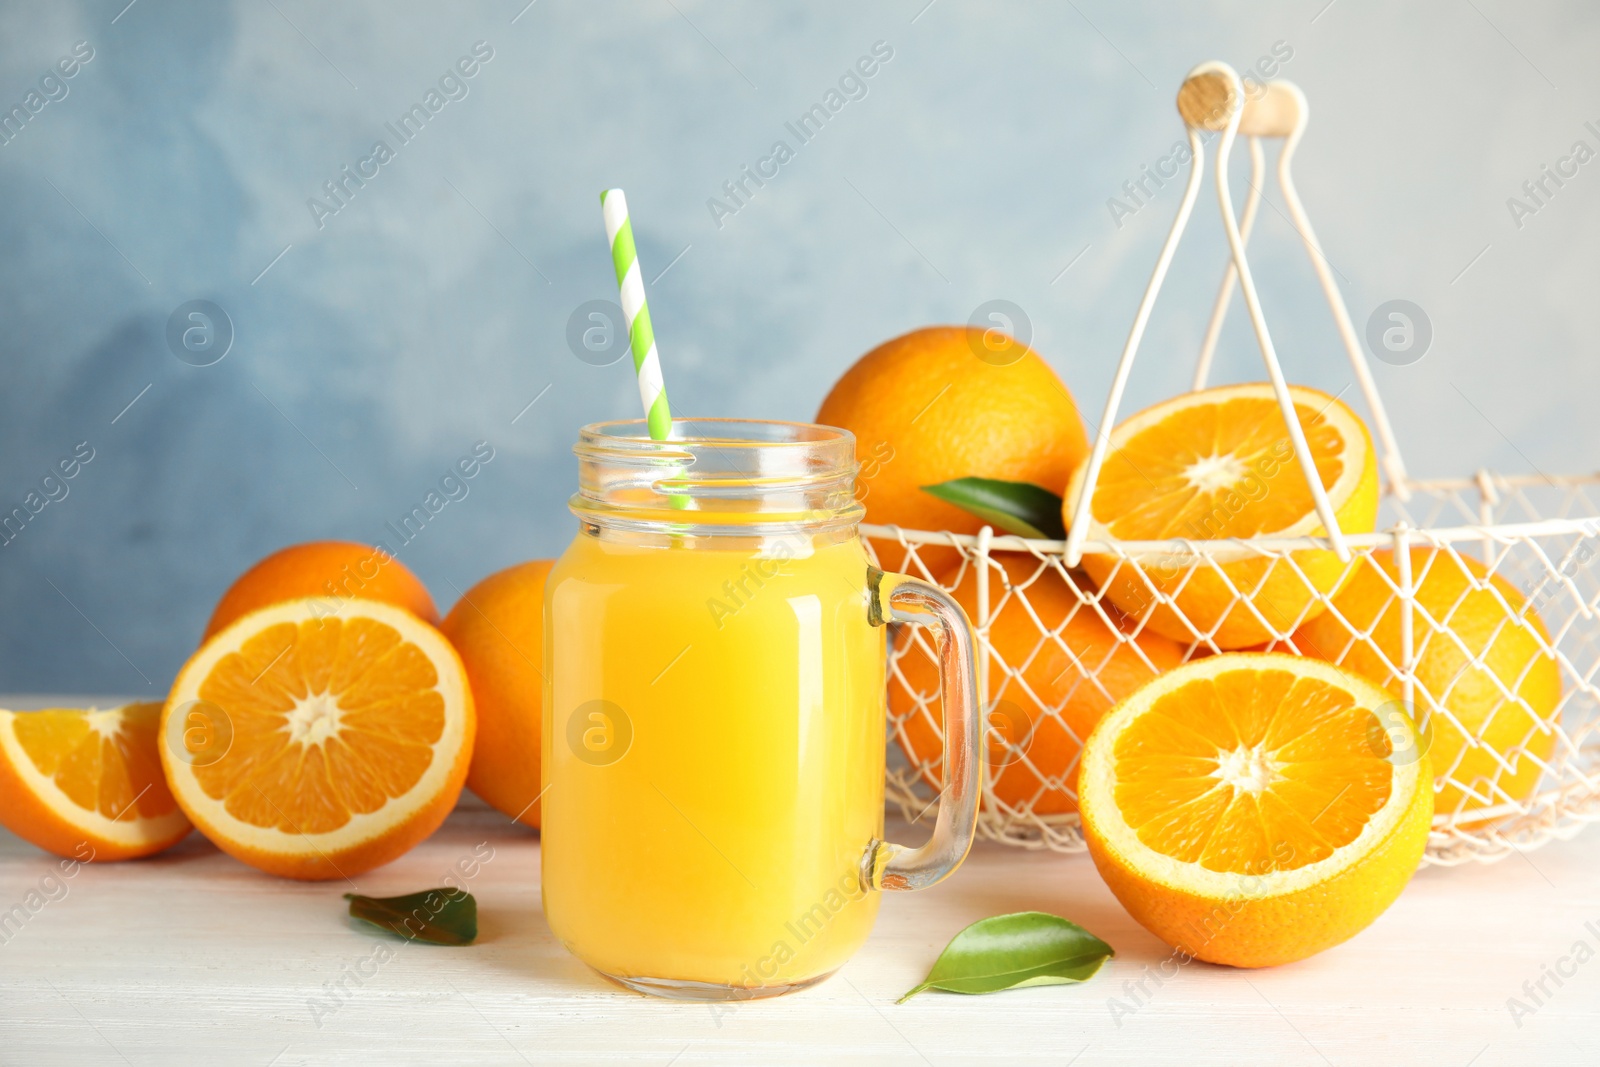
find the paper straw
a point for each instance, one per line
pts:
(646, 363)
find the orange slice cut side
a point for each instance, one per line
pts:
(1215, 465)
(86, 783)
(1254, 808)
(346, 737)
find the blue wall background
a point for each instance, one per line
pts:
(426, 314)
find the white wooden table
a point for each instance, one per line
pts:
(191, 957)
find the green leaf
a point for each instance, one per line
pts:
(1010, 951)
(438, 916)
(1015, 507)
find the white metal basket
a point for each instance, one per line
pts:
(1538, 534)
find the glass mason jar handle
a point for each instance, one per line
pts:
(899, 598)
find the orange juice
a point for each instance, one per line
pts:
(714, 712)
(714, 743)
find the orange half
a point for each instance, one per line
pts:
(1256, 808)
(319, 746)
(1219, 464)
(86, 783)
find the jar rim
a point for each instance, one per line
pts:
(717, 471)
(770, 432)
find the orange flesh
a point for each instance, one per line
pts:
(1250, 480)
(104, 773)
(1252, 772)
(330, 719)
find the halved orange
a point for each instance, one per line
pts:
(316, 746)
(86, 783)
(1219, 464)
(1255, 808)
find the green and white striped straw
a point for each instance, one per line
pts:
(646, 363)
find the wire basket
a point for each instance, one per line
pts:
(1520, 550)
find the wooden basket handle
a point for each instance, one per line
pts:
(1208, 98)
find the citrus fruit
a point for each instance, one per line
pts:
(1216, 464)
(1255, 808)
(498, 628)
(1070, 666)
(951, 402)
(336, 571)
(86, 783)
(345, 739)
(1487, 686)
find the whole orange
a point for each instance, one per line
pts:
(333, 570)
(1485, 674)
(950, 402)
(1057, 667)
(498, 628)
